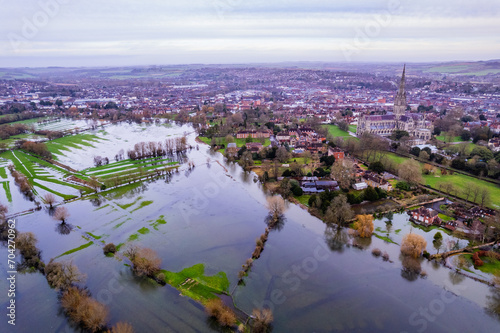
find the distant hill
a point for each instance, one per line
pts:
(437, 69)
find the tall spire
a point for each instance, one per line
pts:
(400, 100)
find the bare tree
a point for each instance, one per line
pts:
(224, 315)
(276, 206)
(410, 171)
(343, 172)
(484, 196)
(246, 160)
(475, 190)
(339, 211)
(307, 156)
(144, 260)
(83, 309)
(467, 190)
(262, 319)
(282, 154)
(61, 214)
(62, 275)
(413, 245)
(49, 199)
(276, 168)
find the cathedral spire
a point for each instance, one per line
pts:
(402, 90)
(400, 100)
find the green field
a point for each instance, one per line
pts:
(335, 131)
(193, 283)
(304, 199)
(12, 140)
(443, 138)
(239, 142)
(460, 181)
(353, 128)
(37, 170)
(117, 168)
(68, 143)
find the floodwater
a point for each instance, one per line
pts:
(311, 276)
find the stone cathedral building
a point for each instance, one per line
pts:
(415, 124)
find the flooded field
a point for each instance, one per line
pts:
(312, 276)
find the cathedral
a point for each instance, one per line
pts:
(415, 124)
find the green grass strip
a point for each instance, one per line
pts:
(84, 246)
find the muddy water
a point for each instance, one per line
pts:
(312, 278)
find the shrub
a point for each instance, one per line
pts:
(224, 315)
(62, 275)
(438, 236)
(256, 253)
(84, 310)
(26, 244)
(297, 191)
(263, 238)
(403, 186)
(145, 261)
(477, 261)
(259, 242)
(376, 252)
(262, 319)
(370, 194)
(109, 248)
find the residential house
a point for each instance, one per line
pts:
(375, 180)
(232, 149)
(254, 147)
(359, 186)
(336, 152)
(426, 216)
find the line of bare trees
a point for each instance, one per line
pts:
(22, 182)
(156, 149)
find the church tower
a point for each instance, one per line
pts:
(400, 100)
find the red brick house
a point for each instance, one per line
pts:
(425, 216)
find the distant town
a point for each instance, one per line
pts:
(369, 150)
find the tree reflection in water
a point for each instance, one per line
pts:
(411, 268)
(493, 302)
(336, 237)
(64, 228)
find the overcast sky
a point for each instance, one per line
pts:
(146, 32)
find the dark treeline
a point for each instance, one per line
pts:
(22, 182)
(37, 148)
(10, 118)
(6, 131)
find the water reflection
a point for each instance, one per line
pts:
(64, 228)
(362, 243)
(97, 201)
(456, 278)
(493, 302)
(336, 237)
(275, 223)
(411, 268)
